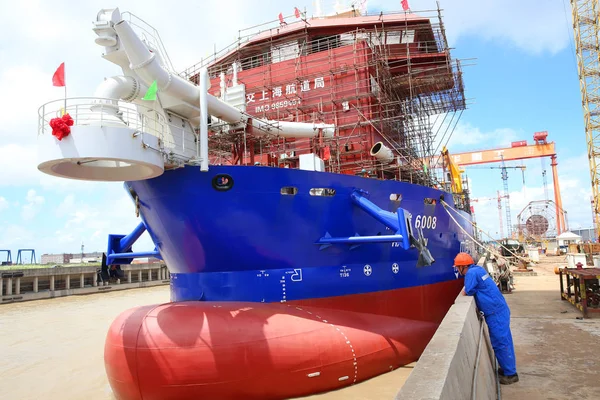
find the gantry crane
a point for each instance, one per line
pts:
(518, 151)
(587, 47)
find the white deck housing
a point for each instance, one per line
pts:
(101, 154)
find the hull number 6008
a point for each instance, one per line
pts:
(425, 222)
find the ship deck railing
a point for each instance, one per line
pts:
(97, 111)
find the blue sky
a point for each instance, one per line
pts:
(523, 79)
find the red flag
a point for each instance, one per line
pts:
(405, 5)
(281, 18)
(296, 12)
(58, 79)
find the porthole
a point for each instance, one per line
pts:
(289, 190)
(395, 197)
(322, 192)
(222, 182)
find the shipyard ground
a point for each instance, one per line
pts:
(557, 354)
(58, 344)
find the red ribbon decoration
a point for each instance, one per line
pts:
(61, 126)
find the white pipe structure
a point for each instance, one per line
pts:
(124, 88)
(203, 120)
(146, 66)
(120, 87)
(382, 152)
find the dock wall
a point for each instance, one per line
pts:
(458, 363)
(46, 283)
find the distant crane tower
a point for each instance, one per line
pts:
(506, 195)
(501, 228)
(587, 47)
(506, 199)
(500, 215)
(540, 138)
(82, 247)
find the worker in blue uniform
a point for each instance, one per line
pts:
(491, 302)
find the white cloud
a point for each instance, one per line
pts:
(533, 26)
(66, 206)
(16, 236)
(33, 205)
(466, 136)
(20, 161)
(91, 224)
(43, 23)
(4, 204)
(29, 88)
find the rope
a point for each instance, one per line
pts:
(505, 274)
(446, 206)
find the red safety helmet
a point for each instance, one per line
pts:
(463, 259)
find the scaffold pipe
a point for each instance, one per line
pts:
(203, 120)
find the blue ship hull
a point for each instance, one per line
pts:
(253, 243)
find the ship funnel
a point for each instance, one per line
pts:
(382, 152)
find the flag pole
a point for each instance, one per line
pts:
(65, 82)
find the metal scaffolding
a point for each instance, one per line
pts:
(587, 43)
(393, 83)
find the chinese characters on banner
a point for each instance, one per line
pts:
(281, 91)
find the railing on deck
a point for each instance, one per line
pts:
(149, 35)
(96, 111)
(100, 112)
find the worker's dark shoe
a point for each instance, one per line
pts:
(500, 371)
(507, 380)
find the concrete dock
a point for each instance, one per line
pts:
(45, 283)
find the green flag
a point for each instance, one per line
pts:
(151, 93)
